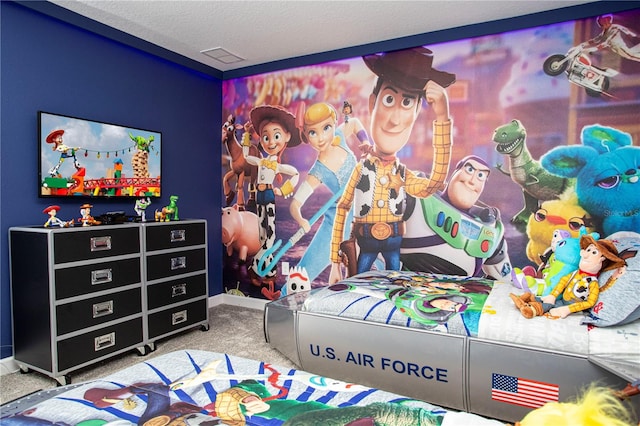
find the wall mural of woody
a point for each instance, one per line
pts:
(458, 158)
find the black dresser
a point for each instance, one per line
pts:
(84, 294)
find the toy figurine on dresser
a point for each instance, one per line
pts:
(87, 219)
(141, 207)
(53, 220)
(169, 212)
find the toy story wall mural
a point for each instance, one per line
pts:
(470, 157)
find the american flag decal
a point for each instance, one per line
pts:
(524, 392)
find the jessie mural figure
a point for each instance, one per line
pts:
(332, 168)
(378, 186)
(276, 128)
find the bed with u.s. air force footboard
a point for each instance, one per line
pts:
(453, 341)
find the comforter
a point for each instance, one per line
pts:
(208, 388)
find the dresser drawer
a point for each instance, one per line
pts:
(174, 235)
(176, 291)
(177, 317)
(89, 346)
(175, 263)
(79, 280)
(103, 241)
(97, 310)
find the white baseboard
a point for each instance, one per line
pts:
(244, 302)
(8, 364)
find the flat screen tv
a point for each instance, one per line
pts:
(93, 159)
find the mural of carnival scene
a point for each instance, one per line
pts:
(470, 154)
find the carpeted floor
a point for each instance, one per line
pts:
(234, 330)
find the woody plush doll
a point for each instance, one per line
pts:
(578, 290)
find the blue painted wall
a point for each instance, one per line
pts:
(54, 66)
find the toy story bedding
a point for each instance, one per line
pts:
(465, 306)
(448, 304)
(194, 387)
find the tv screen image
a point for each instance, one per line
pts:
(86, 158)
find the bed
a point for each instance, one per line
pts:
(195, 387)
(476, 353)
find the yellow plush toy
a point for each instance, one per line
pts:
(597, 406)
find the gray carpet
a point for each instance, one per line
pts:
(234, 330)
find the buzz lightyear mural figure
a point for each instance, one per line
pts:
(453, 232)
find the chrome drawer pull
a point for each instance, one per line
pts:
(101, 276)
(101, 243)
(102, 309)
(178, 317)
(179, 290)
(102, 342)
(178, 235)
(178, 262)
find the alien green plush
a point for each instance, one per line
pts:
(564, 260)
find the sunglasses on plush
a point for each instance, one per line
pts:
(575, 223)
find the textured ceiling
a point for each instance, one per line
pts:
(266, 31)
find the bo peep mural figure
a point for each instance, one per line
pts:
(332, 167)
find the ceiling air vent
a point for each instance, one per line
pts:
(222, 55)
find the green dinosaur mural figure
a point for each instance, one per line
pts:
(537, 183)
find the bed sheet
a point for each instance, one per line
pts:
(442, 303)
(501, 321)
(618, 347)
(618, 342)
(198, 387)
